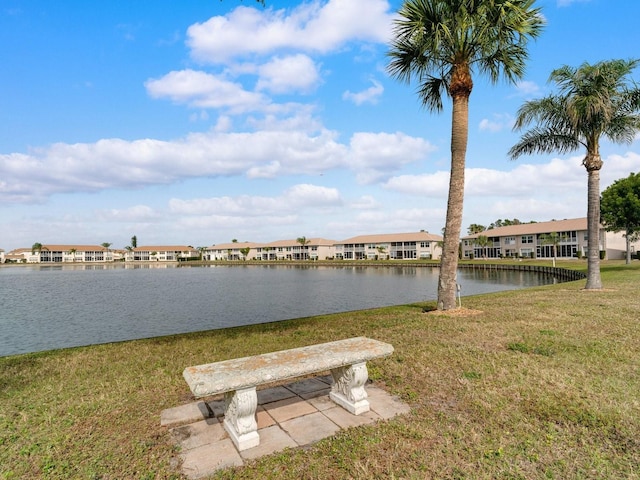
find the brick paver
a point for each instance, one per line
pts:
(288, 416)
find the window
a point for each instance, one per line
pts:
(527, 239)
(424, 244)
(509, 240)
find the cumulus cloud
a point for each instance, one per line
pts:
(205, 90)
(288, 203)
(370, 95)
(294, 73)
(527, 89)
(556, 176)
(312, 27)
(374, 156)
(498, 123)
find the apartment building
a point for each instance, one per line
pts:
(161, 253)
(313, 249)
(393, 246)
(529, 240)
(62, 254)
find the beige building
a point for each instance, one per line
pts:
(313, 249)
(62, 254)
(161, 253)
(393, 246)
(527, 240)
(231, 251)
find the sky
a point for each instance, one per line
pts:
(198, 122)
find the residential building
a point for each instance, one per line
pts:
(1, 255)
(161, 253)
(394, 246)
(62, 254)
(313, 249)
(617, 246)
(231, 251)
(528, 240)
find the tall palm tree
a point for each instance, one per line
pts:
(106, 246)
(593, 101)
(442, 44)
(554, 239)
(483, 242)
(304, 255)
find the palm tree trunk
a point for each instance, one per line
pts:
(593, 166)
(447, 283)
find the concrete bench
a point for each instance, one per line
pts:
(238, 379)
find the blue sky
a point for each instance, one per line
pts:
(203, 121)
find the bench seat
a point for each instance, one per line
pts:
(238, 379)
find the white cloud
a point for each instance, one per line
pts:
(498, 123)
(289, 203)
(426, 185)
(567, 3)
(312, 27)
(136, 213)
(527, 89)
(374, 156)
(204, 90)
(366, 202)
(288, 74)
(370, 95)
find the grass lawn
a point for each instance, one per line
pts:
(538, 383)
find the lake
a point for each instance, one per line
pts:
(59, 306)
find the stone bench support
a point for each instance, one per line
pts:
(238, 379)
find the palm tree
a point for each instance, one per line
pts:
(303, 242)
(38, 247)
(106, 245)
(593, 101)
(72, 252)
(483, 242)
(554, 239)
(442, 43)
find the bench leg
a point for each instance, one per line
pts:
(240, 417)
(348, 388)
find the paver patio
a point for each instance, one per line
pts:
(288, 416)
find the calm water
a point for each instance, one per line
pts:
(50, 307)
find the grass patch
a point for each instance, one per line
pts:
(537, 383)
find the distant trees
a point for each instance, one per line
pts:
(593, 101)
(134, 242)
(620, 209)
(504, 223)
(475, 228)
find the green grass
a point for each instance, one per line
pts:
(542, 383)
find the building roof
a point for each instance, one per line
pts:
(569, 225)
(65, 248)
(393, 237)
(233, 246)
(294, 243)
(164, 248)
